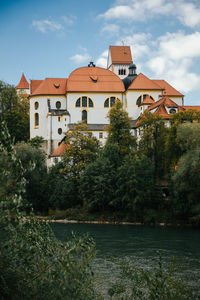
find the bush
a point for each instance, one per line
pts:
(35, 265)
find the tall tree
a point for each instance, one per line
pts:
(119, 130)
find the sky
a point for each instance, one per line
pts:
(45, 38)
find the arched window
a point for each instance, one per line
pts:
(84, 116)
(36, 105)
(59, 130)
(58, 104)
(109, 102)
(141, 98)
(84, 102)
(36, 120)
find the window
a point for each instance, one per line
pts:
(58, 104)
(172, 111)
(122, 72)
(100, 135)
(84, 116)
(141, 98)
(58, 119)
(36, 120)
(36, 105)
(59, 130)
(84, 102)
(109, 102)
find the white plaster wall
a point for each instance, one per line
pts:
(177, 100)
(96, 114)
(131, 97)
(42, 110)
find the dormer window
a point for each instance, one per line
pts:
(56, 85)
(172, 111)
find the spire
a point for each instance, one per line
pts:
(23, 84)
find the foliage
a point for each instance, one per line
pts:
(62, 189)
(189, 136)
(98, 183)
(153, 140)
(13, 182)
(82, 149)
(159, 283)
(34, 164)
(36, 142)
(14, 110)
(186, 188)
(119, 130)
(36, 265)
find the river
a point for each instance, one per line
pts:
(140, 245)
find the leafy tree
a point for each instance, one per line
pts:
(15, 111)
(188, 135)
(152, 142)
(82, 149)
(36, 142)
(98, 183)
(119, 130)
(34, 163)
(136, 191)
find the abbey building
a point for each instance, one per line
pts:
(56, 104)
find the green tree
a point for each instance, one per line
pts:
(15, 111)
(119, 130)
(82, 148)
(152, 142)
(33, 161)
(98, 182)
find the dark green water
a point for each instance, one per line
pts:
(140, 245)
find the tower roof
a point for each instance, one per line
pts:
(121, 54)
(23, 84)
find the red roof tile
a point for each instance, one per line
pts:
(60, 150)
(190, 107)
(147, 101)
(51, 86)
(23, 84)
(168, 89)
(161, 111)
(35, 84)
(163, 101)
(94, 79)
(141, 82)
(121, 54)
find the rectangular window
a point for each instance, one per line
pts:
(58, 119)
(84, 101)
(100, 135)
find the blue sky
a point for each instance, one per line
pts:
(51, 38)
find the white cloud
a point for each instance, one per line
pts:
(111, 29)
(170, 57)
(133, 10)
(69, 20)
(102, 59)
(80, 58)
(46, 25)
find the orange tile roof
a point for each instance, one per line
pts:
(168, 89)
(121, 54)
(34, 85)
(23, 84)
(94, 79)
(60, 150)
(161, 111)
(190, 107)
(163, 101)
(51, 86)
(147, 101)
(141, 82)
